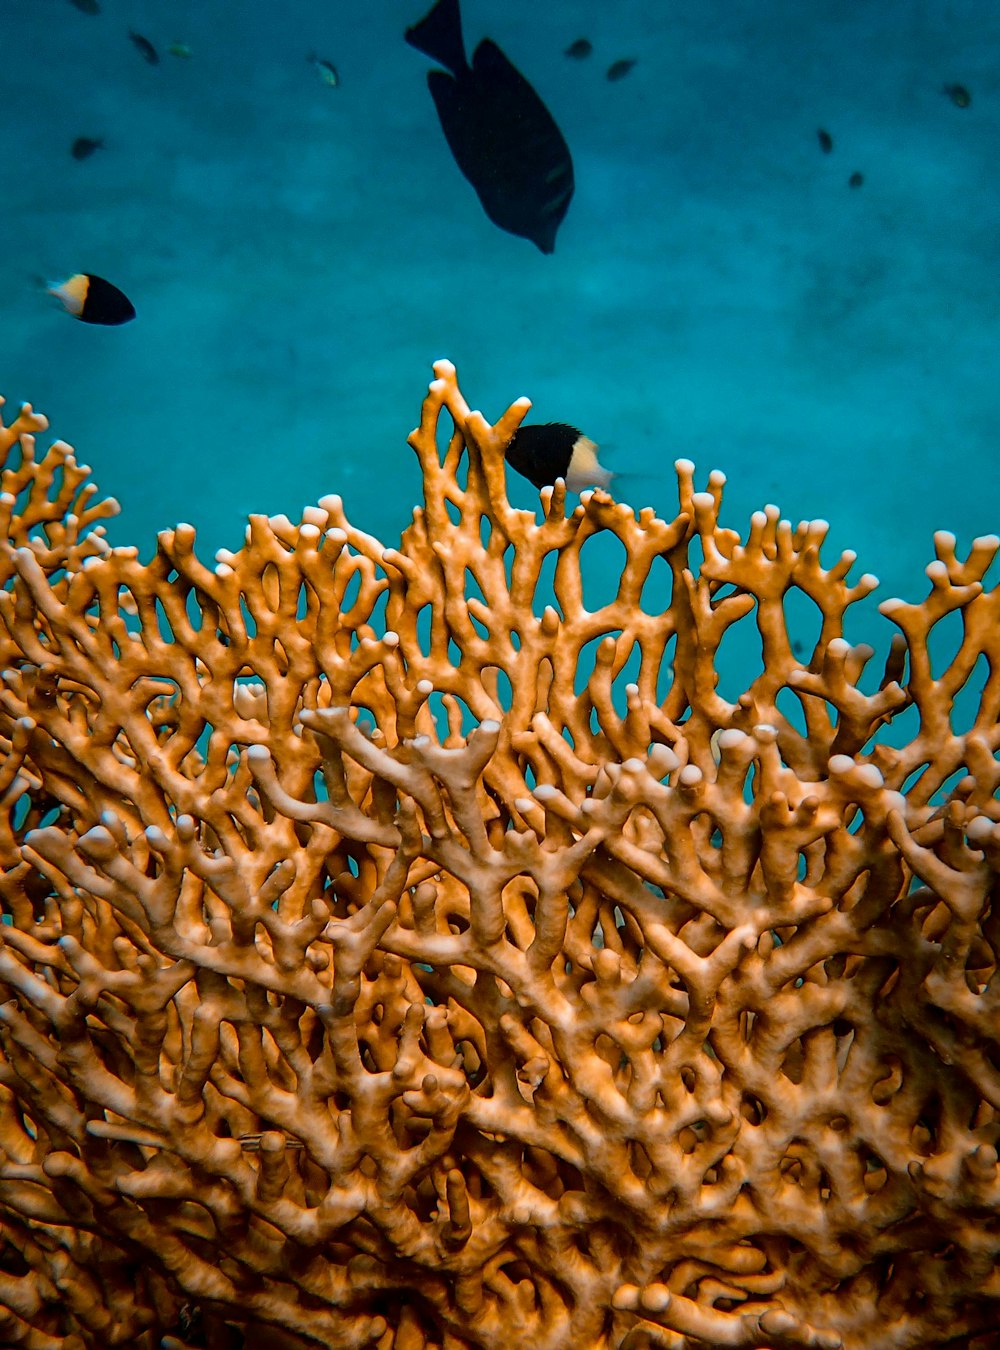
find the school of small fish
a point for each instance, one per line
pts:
(505, 142)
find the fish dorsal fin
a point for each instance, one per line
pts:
(439, 35)
(488, 60)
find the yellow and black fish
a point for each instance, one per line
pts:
(93, 300)
(504, 139)
(551, 450)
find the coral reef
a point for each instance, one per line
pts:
(398, 952)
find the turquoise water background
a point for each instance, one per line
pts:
(300, 254)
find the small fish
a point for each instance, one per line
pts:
(86, 6)
(180, 49)
(504, 139)
(84, 146)
(619, 69)
(958, 94)
(545, 452)
(825, 141)
(145, 48)
(93, 300)
(326, 70)
(579, 49)
(856, 179)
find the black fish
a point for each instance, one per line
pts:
(619, 69)
(958, 94)
(856, 179)
(145, 48)
(94, 300)
(825, 141)
(503, 137)
(554, 450)
(84, 146)
(86, 6)
(579, 49)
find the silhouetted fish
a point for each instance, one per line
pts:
(145, 48)
(84, 146)
(619, 69)
(579, 49)
(958, 94)
(543, 453)
(825, 141)
(86, 6)
(503, 137)
(856, 179)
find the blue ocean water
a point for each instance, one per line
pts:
(299, 254)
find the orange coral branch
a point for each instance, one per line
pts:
(405, 948)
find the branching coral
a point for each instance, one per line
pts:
(400, 953)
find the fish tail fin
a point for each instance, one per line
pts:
(439, 35)
(43, 284)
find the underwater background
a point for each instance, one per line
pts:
(299, 251)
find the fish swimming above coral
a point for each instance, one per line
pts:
(550, 450)
(92, 299)
(503, 138)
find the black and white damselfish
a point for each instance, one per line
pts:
(550, 450)
(504, 139)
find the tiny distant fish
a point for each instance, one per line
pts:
(503, 138)
(554, 450)
(86, 6)
(93, 300)
(619, 69)
(84, 146)
(825, 141)
(145, 48)
(856, 179)
(579, 49)
(326, 70)
(180, 49)
(958, 94)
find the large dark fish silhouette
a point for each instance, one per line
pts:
(503, 137)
